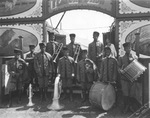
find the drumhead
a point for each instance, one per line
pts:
(102, 95)
(108, 97)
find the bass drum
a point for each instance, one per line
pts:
(102, 95)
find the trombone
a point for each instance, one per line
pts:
(56, 53)
(76, 54)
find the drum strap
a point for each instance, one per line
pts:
(107, 69)
(66, 67)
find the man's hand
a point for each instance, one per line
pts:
(13, 73)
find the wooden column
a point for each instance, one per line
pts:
(0, 81)
(137, 35)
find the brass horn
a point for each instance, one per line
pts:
(57, 91)
(55, 55)
(30, 96)
(76, 54)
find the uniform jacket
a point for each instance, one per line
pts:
(30, 60)
(108, 69)
(43, 67)
(124, 61)
(66, 66)
(92, 48)
(86, 71)
(72, 49)
(18, 67)
(51, 47)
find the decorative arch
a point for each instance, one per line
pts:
(56, 6)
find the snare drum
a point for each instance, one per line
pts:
(102, 95)
(133, 70)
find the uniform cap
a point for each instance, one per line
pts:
(96, 33)
(51, 33)
(42, 44)
(65, 48)
(72, 35)
(31, 46)
(127, 44)
(84, 51)
(20, 36)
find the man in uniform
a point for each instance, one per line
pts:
(16, 69)
(126, 85)
(86, 74)
(95, 50)
(51, 48)
(52, 45)
(66, 72)
(43, 67)
(31, 70)
(108, 69)
(72, 46)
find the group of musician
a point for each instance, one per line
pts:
(85, 67)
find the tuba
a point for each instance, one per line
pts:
(57, 52)
(57, 91)
(76, 54)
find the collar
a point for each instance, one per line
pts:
(110, 56)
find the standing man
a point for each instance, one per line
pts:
(52, 45)
(51, 48)
(43, 67)
(86, 74)
(126, 85)
(66, 72)
(31, 70)
(95, 50)
(108, 67)
(72, 46)
(16, 69)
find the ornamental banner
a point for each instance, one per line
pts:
(15, 9)
(57, 6)
(133, 8)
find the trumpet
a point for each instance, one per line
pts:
(76, 54)
(55, 55)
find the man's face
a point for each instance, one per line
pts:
(17, 55)
(127, 49)
(32, 49)
(84, 55)
(107, 40)
(107, 52)
(66, 52)
(42, 48)
(72, 39)
(95, 37)
(52, 37)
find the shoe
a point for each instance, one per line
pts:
(19, 102)
(63, 97)
(9, 105)
(125, 109)
(84, 100)
(71, 99)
